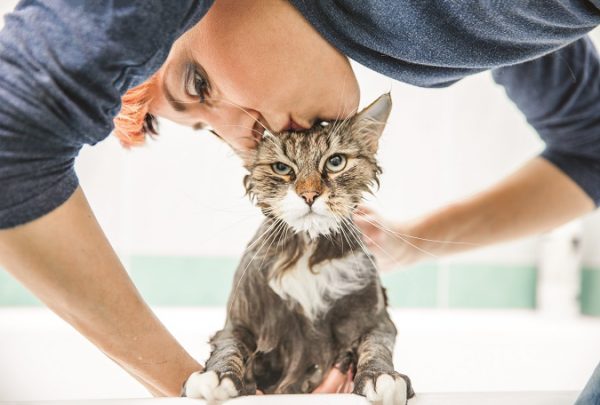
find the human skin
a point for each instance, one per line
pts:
(536, 198)
(256, 73)
(64, 257)
(288, 84)
(67, 262)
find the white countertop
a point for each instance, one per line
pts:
(442, 351)
(504, 398)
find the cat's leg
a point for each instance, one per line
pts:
(223, 377)
(375, 375)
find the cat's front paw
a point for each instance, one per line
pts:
(382, 388)
(210, 386)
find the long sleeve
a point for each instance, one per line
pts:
(560, 97)
(64, 65)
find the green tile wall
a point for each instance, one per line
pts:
(181, 281)
(416, 286)
(590, 291)
(491, 286)
(14, 294)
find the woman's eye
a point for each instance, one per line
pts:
(196, 84)
(336, 163)
(281, 168)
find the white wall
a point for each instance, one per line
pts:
(182, 195)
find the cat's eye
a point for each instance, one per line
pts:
(336, 163)
(281, 168)
(196, 84)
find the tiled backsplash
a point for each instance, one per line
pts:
(590, 291)
(206, 281)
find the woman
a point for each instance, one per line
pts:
(240, 66)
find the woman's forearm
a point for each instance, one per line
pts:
(536, 198)
(66, 261)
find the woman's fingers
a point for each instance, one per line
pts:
(384, 240)
(348, 386)
(333, 382)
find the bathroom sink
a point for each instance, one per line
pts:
(502, 398)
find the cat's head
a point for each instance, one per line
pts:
(313, 180)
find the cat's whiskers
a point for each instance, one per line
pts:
(358, 234)
(389, 255)
(358, 240)
(283, 237)
(259, 237)
(396, 236)
(278, 233)
(267, 232)
(403, 240)
(349, 245)
(381, 226)
(275, 234)
(341, 110)
(337, 124)
(344, 226)
(235, 290)
(344, 234)
(355, 232)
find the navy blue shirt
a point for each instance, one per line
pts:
(65, 63)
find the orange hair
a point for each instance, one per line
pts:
(134, 122)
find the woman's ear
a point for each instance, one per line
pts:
(370, 122)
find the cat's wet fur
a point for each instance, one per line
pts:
(306, 296)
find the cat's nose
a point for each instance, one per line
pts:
(309, 197)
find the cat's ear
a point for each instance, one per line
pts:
(370, 122)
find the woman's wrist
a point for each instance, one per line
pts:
(78, 275)
(534, 199)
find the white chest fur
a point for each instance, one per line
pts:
(330, 280)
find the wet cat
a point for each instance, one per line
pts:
(306, 295)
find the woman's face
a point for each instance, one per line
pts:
(253, 64)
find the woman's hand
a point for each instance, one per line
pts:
(64, 258)
(391, 244)
(336, 382)
(535, 198)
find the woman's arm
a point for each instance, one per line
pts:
(534, 199)
(66, 261)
